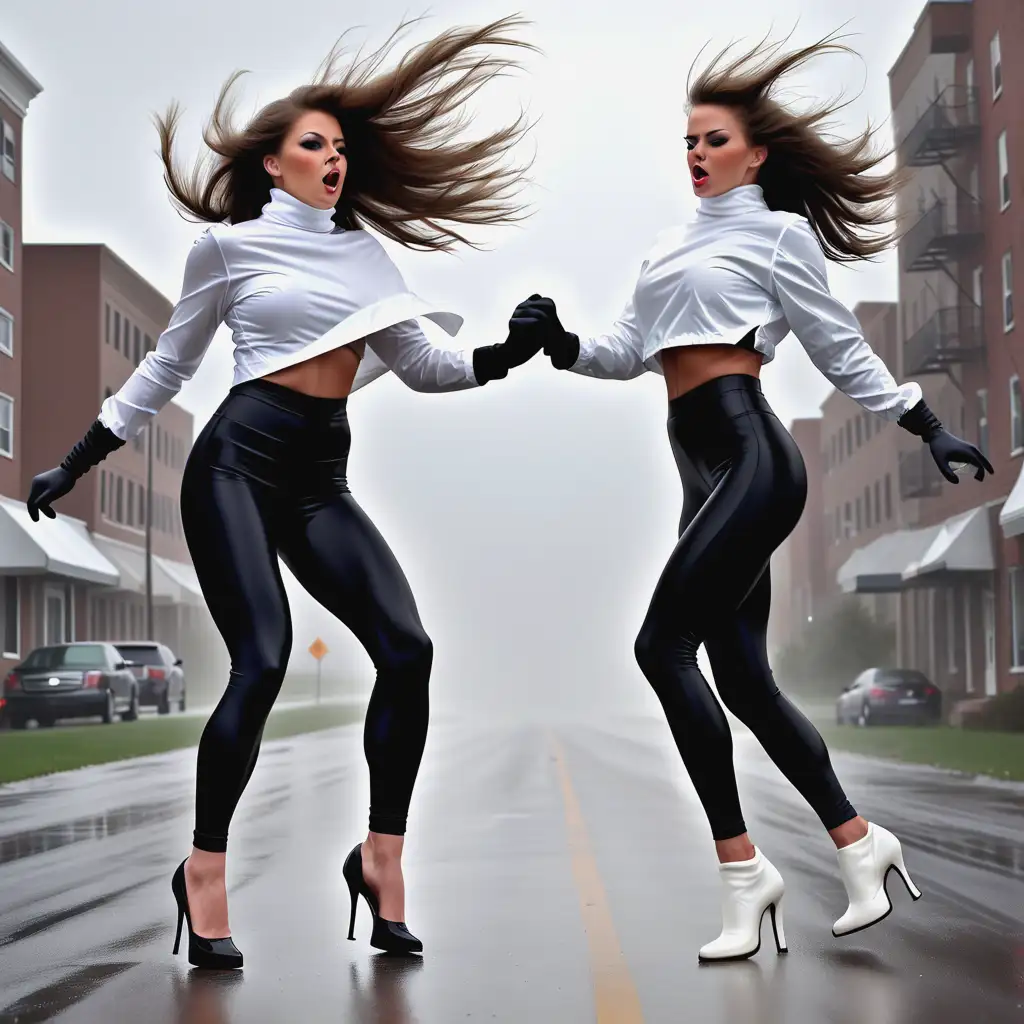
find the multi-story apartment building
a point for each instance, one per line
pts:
(953, 560)
(107, 320)
(19, 564)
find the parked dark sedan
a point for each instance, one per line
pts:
(71, 681)
(889, 695)
(159, 672)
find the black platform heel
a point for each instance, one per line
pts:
(391, 936)
(212, 954)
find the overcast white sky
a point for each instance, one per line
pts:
(533, 516)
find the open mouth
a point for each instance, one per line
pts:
(331, 179)
(700, 175)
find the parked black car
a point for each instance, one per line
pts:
(71, 681)
(159, 673)
(890, 695)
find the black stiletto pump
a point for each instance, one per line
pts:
(391, 936)
(213, 954)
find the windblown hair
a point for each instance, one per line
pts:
(824, 181)
(408, 168)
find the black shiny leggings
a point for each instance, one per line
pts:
(744, 489)
(266, 477)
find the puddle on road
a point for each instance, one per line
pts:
(94, 826)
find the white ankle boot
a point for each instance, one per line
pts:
(864, 867)
(751, 887)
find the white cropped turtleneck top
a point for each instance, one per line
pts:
(291, 285)
(735, 267)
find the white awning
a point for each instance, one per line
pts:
(173, 582)
(877, 568)
(1011, 518)
(963, 543)
(184, 577)
(59, 546)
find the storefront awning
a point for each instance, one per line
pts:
(173, 582)
(917, 557)
(963, 543)
(877, 568)
(185, 579)
(1011, 518)
(58, 546)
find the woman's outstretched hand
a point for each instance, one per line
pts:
(946, 448)
(537, 316)
(45, 488)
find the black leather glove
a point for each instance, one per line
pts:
(492, 362)
(945, 447)
(98, 443)
(537, 313)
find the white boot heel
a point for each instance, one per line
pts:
(864, 867)
(750, 888)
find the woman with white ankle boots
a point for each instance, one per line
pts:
(712, 301)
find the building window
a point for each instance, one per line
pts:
(149, 343)
(1016, 423)
(117, 330)
(137, 345)
(996, 55)
(867, 508)
(119, 512)
(849, 438)
(983, 419)
(1008, 291)
(1017, 615)
(6, 333)
(6, 245)
(10, 617)
(10, 152)
(103, 492)
(106, 322)
(847, 520)
(7, 426)
(126, 339)
(878, 504)
(950, 601)
(888, 498)
(130, 520)
(1004, 173)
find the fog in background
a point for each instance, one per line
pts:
(532, 516)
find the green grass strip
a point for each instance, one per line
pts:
(999, 754)
(24, 755)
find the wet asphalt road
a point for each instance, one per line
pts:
(556, 873)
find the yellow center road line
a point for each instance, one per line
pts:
(615, 996)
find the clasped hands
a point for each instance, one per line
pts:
(534, 325)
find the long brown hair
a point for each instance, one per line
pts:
(407, 170)
(803, 173)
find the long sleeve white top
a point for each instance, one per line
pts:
(291, 285)
(736, 267)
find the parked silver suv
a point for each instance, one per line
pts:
(159, 673)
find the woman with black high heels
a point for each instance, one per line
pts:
(712, 301)
(317, 309)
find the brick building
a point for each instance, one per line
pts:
(18, 568)
(952, 561)
(106, 321)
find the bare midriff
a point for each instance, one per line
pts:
(328, 375)
(687, 367)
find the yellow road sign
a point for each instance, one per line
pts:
(318, 648)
